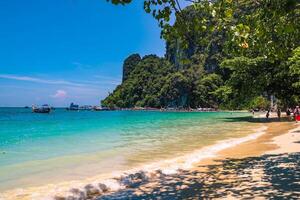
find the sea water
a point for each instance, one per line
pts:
(38, 149)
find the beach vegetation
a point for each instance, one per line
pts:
(228, 54)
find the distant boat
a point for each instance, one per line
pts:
(73, 107)
(138, 108)
(105, 108)
(43, 109)
(26, 106)
(86, 107)
(99, 108)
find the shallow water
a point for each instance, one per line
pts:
(38, 149)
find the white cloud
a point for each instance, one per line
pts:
(104, 80)
(93, 89)
(39, 80)
(60, 94)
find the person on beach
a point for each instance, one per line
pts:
(268, 114)
(288, 113)
(297, 114)
(279, 113)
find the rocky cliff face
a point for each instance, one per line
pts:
(205, 42)
(211, 54)
(129, 65)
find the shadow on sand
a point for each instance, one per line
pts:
(256, 119)
(268, 176)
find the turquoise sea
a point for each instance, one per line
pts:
(37, 149)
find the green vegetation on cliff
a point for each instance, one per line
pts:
(233, 54)
(143, 83)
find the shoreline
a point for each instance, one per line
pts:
(265, 141)
(246, 170)
(111, 180)
(278, 139)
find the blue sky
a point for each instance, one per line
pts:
(62, 51)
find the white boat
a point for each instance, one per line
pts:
(43, 109)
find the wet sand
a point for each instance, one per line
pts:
(280, 137)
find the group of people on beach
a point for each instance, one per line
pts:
(293, 113)
(290, 113)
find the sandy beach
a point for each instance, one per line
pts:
(262, 168)
(239, 171)
(280, 137)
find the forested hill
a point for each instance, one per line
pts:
(235, 57)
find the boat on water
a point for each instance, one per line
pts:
(86, 107)
(73, 107)
(43, 109)
(99, 108)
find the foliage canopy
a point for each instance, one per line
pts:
(228, 53)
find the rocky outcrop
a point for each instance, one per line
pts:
(129, 64)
